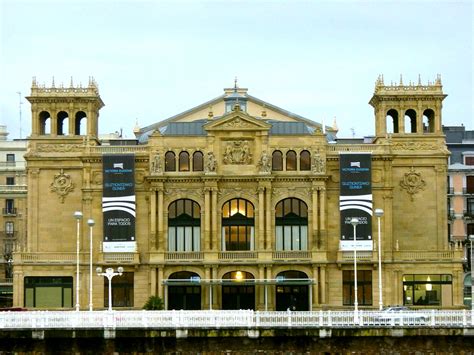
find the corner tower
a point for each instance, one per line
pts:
(65, 111)
(412, 109)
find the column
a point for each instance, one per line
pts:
(160, 283)
(214, 233)
(322, 284)
(314, 286)
(315, 240)
(207, 218)
(161, 243)
(270, 290)
(153, 219)
(152, 281)
(260, 288)
(261, 219)
(322, 209)
(207, 304)
(268, 224)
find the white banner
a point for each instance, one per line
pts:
(349, 245)
(119, 247)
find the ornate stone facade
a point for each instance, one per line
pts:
(242, 197)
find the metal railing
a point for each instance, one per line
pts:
(237, 319)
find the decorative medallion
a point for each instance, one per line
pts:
(412, 182)
(237, 152)
(62, 185)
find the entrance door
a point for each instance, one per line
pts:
(238, 297)
(184, 295)
(291, 295)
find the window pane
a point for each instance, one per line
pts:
(277, 161)
(170, 163)
(304, 237)
(197, 238)
(198, 161)
(279, 237)
(180, 239)
(183, 161)
(305, 160)
(171, 239)
(287, 238)
(188, 238)
(290, 160)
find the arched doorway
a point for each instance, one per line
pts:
(183, 291)
(292, 291)
(238, 290)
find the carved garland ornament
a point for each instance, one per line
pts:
(412, 182)
(62, 185)
(237, 152)
(236, 123)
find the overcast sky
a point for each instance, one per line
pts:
(154, 59)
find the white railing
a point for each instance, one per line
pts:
(233, 319)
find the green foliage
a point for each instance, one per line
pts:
(154, 303)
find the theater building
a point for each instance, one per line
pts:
(238, 204)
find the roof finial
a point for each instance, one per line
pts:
(210, 114)
(401, 79)
(419, 80)
(53, 82)
(235, 84)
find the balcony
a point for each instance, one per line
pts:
(450, 190)
(248, 255)
(184, 256)
(13, 189)
(9, 211)
(468, 214)
(9, 235)
(119, 258)
(291, 255)
(467, 191)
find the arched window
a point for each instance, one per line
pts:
(198, 161)
(290, 160)
(392, 121)
(291, 223)
(238, 290)
(79, 126)
(410, 121)
(63, 125)
(184, 226)
(44, 123)
(305, 160)
(170, 161)
(428, 121)
(184, 161)
(277, 161)
(237, 225)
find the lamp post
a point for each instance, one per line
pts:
(78, 217)
(90, 223)
(109, 274)
(355, 222)
(471, 239)
(379, 214)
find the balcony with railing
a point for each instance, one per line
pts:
(241, 255)
(16, 189)
(467, 191)
(9, 211)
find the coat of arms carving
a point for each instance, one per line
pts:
(237, 152)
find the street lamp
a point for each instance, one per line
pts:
(78, 217)
(91, 223)
(109, 274)
(355, 222)
(379, 214)
(471, 239)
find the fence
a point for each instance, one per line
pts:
(243, 319)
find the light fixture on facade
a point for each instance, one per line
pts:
(239, 276)
(429, 286)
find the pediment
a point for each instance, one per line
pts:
(237, 121)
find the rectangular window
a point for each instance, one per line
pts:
(48, 292)
(364, 287)
(9, 206)
(470, 184)
(11, 158)
(427, 290)
(9, 228)
(469, 160)
(122, 290)
(186, 238)
(10, 180)
(470, 206)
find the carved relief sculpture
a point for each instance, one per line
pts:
(412, 182)
(211, 163)
(156, 164)
(62, 185)
(264, 163)
(318, 165)
(237, 152)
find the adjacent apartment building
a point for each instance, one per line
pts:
(237, 203)
(460, 143)
(13, 191)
